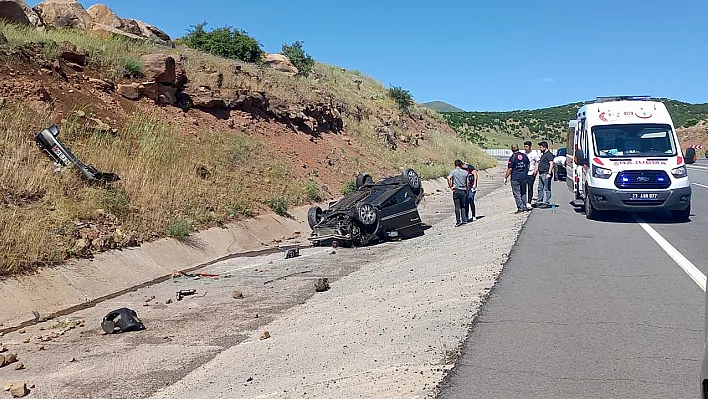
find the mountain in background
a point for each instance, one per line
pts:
(441, 106)
(501, 129)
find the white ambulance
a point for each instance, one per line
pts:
(624, 154)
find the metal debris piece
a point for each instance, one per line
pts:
(183, 293)
(292, 253)
(121, 320)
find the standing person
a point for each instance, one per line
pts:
(534, 156)
(545, 174)
(472, 176)
(518, 168)
(460, 185)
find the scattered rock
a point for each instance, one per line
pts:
(150, 298)
(101, 84)
(322, 285)
(265, 334)
(21, 331)
(169, 301)
(130, 91)
(7, 359)
(68, 52)
(213, 80)
(17, 11)
(281, 63)
(202, 171)
(237, 294)
(3, 348)
(63, 14)
(19, 366)
(103, 15)
(159, 68)
(72, 360)
(17, 389)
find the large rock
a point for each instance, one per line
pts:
(159, 68)
(63, 14)
(130, 91)
(17, 11)
(103, 15)
(281, 63)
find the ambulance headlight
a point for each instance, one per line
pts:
(601, 173)
(679, 172)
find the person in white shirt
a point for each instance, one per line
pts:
(534, 158)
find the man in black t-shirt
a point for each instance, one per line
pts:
(545, 174)
(518, 169)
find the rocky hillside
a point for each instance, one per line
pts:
(196, 140)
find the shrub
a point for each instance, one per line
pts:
(133, 67)
(402, 97)
(303, 62)
(224, 42)
(279, 205)
(180, 228)
(313, 192)
(349, 187)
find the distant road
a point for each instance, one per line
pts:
(594, 309)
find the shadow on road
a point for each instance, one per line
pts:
(655, 217)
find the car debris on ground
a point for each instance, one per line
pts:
(292, 253)
(183, 293)
(121, 320)
(322, 285)
(48, 140)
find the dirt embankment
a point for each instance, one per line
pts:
(215, 142)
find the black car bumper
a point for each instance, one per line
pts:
(639, 200)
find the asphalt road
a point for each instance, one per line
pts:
(592, 309)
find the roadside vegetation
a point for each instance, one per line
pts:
(500, 129)
(163, 189)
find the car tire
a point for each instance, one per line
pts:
(683, 215)
(366, 213)
(590, 212)
(362, 179)
(412, 178)
(690, 156)
(314, 216)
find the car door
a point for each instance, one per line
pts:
(400, 212)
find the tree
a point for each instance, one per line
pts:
(402, 97)
(224, 42)
(303, 62)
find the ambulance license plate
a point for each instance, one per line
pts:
(644, 196)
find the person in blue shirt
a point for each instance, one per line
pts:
(518, 169)
(473, 177)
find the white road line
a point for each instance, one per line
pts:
(700, 168)
(680, 260)
(700, 185)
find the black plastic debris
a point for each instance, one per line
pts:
(292, 253)
(121, 320)
(183, 293)
(47, 140)
(322, 285)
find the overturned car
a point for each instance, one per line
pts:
(375, 210)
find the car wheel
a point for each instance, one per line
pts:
(366, 214)
(363, 179)
(682, 215)
(590, 211)
(314, 216)
(411, 176)
(690, 155)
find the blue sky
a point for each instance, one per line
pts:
(477, 55)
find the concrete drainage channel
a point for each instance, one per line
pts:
(387, 309)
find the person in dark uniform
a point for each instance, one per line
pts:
(518, 169)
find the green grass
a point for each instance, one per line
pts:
(180, 228)
(349, 187)
(278, 204)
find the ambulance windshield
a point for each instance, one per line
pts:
(634, 140)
